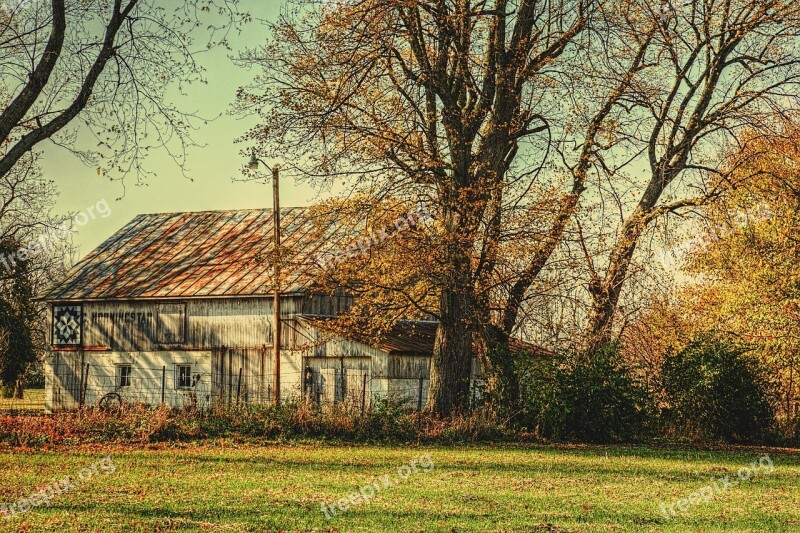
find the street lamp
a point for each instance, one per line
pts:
(276, 303)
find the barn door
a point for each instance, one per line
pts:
(328, 385)
(354, 392)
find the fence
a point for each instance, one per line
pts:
(200, 386)
(33, 402)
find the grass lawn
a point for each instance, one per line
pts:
(33, 401)
(472, 488)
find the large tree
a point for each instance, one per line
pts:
(105, 66)
(455, 104)
(499, 115)
(715, 71)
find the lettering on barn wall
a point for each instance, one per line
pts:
(138, 316)
(125, 330)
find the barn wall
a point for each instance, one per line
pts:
(340, 379)
(247, 375)
(228, 335)
(190, 325)
(148, 369)
(409, 366)
(227, 338)
(62, 372)
(338, 366)
(406, 391)
(327, 305)
(218, 371)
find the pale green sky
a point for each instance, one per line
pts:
(211, 167)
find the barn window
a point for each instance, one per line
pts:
(183, 376)
(123, 376)
(172, 323)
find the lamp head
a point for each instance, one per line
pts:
(253, 163)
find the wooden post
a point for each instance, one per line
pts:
(419, 397)
(419, 406)
(230, 377)
(343, 383)
(471, 396)
(163, 382)
(364, 394)
(84, 383)
(80, 390)
(276, 297)
(308, 382)
(239, 386)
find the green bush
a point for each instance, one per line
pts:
(717, 391)
(588, 398)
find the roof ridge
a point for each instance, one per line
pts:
(206, 211)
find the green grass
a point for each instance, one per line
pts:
(476, 488)
(33, 401)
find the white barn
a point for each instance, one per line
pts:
(177, 308)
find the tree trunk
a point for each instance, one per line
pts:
(19, 390)
(502, 378)
(605, 293)
(790, 390)
(451, 363)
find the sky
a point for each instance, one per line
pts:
(211, 167)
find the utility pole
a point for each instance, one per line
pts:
(276, 325)
(276, 299)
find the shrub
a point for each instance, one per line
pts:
(717, 391)
(588, 398)
(385, 421)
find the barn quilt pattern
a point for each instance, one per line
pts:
(67, 325)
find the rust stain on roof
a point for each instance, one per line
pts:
(195, 255)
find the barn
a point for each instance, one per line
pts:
(177, 309)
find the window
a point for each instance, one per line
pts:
(172, 323)
(123, 376)
(183, 377)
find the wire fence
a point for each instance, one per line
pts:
(201, 386)
(32, 402)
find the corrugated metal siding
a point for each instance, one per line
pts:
(409, 337)
(255, 366)
(327, 305)
(206, 324)
(406, 391)
(66, 380)
(340, 379)
(409, 366)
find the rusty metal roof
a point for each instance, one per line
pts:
(195, 255)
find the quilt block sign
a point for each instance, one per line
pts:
(67, 325)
